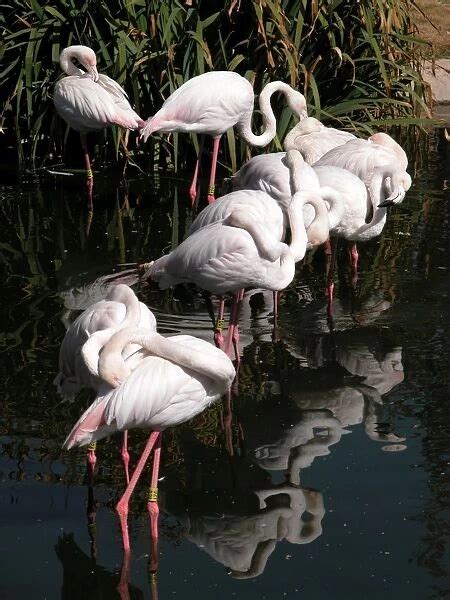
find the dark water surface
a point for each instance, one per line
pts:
(354, 408)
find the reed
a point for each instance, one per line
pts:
(358, 62)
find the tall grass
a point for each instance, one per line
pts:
(358, 62)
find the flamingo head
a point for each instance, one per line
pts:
(112, 368)
(86, 57)
(89, 62)
(297, 103)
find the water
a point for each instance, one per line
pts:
(353, 407)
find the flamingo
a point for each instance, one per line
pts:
(214, 102)
(260, 207)
(313, 139)
(379, 162)
(269, 173)
(237, 252)
(87, 100)
(77, 362)
(178, 378)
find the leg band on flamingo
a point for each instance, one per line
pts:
(152, 494)
(122, 505)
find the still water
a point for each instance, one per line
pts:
(353, 406)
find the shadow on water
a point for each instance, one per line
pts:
(327, 464)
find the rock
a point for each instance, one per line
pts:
(439, 81)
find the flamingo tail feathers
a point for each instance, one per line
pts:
(90, 427)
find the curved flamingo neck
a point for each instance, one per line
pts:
(125, 295)
(269, 121)
(91, 350)
(317, 232)
(65, 60)
(218, 370)
(337, 208)
(375, 227)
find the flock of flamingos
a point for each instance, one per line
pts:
(327, 184)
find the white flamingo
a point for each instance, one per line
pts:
(178, 378)
(235, 253)
(88, 101)
(313, 139)
(263, 209)
(77, 362)
(379, 162)
(214, 102)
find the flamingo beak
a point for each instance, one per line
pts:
(395, 198)
(386, 203)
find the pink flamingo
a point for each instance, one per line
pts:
(263, 209)
(78, 359)
(178, 378)
(87, 100)
(214, 102)
(313, 139)
(235, 252)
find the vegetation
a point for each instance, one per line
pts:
(358, 62)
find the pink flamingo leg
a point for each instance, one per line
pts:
(125, 456)
(91, 461)
(152, 506)
(227, 415)
(276, 298)
(122, 505)
(87, 161)
(212, 177)
(354, 257)
(233, 332)
(218, 327)
(89, 182)
(193, 188)
(122, 587)
(330, 251)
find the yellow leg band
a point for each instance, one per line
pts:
(89, 174)
(211, 190)
(92, 446)
(153, 577)
(220, 324)
(153, 494)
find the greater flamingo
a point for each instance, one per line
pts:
(87, 100)
(313, 139)
(281, 174)
(214, 102)
(379, 162)
(179, 378)
(77, 362)
(263, 209)
(235, 253)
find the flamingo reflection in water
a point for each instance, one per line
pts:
(175, 379)
(243, 535)
(327, 410)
